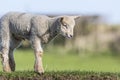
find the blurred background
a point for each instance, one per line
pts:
(96, 42)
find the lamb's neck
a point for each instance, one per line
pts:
(52, 31)
(53, 25)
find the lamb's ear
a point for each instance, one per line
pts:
(75, 17)
(61, 19)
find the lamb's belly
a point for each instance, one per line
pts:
(20, 32)
(20, 36)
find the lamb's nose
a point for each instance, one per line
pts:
(71, 36)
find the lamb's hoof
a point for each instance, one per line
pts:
(7, 70)
(39, 72)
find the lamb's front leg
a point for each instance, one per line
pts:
(38, 66)
(38, 51)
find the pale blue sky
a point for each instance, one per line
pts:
(108, 8)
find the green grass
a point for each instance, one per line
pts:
(64, 62)
(60, 75)
(64, 66)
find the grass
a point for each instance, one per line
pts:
(59, 75)
(60, 66)
(60, 62)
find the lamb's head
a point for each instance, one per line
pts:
(66, 27)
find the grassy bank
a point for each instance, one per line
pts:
(61, 75)
(59, 62)
(61, 66)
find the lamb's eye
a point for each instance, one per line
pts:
(65, 25)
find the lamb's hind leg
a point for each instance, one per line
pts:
(11, 60)
(5, 60)
(13, 44)
(4, 43)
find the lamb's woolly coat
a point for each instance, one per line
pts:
(23, 26)
(38, 29)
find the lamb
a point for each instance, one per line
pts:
(37, 29)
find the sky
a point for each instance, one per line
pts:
(110, 9)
